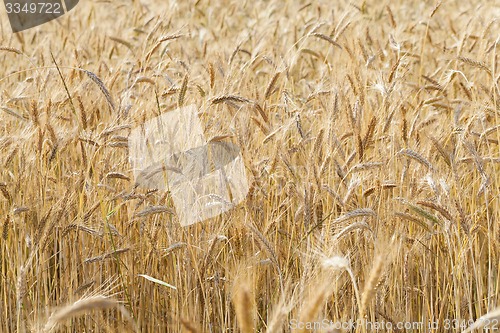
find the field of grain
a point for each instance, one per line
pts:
(370, 135)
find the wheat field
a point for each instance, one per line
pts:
(370, 135)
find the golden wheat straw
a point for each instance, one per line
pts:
(243, 305)
(79, 307)
(109, 255)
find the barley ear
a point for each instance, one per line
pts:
(371, 285)
(243, 304)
